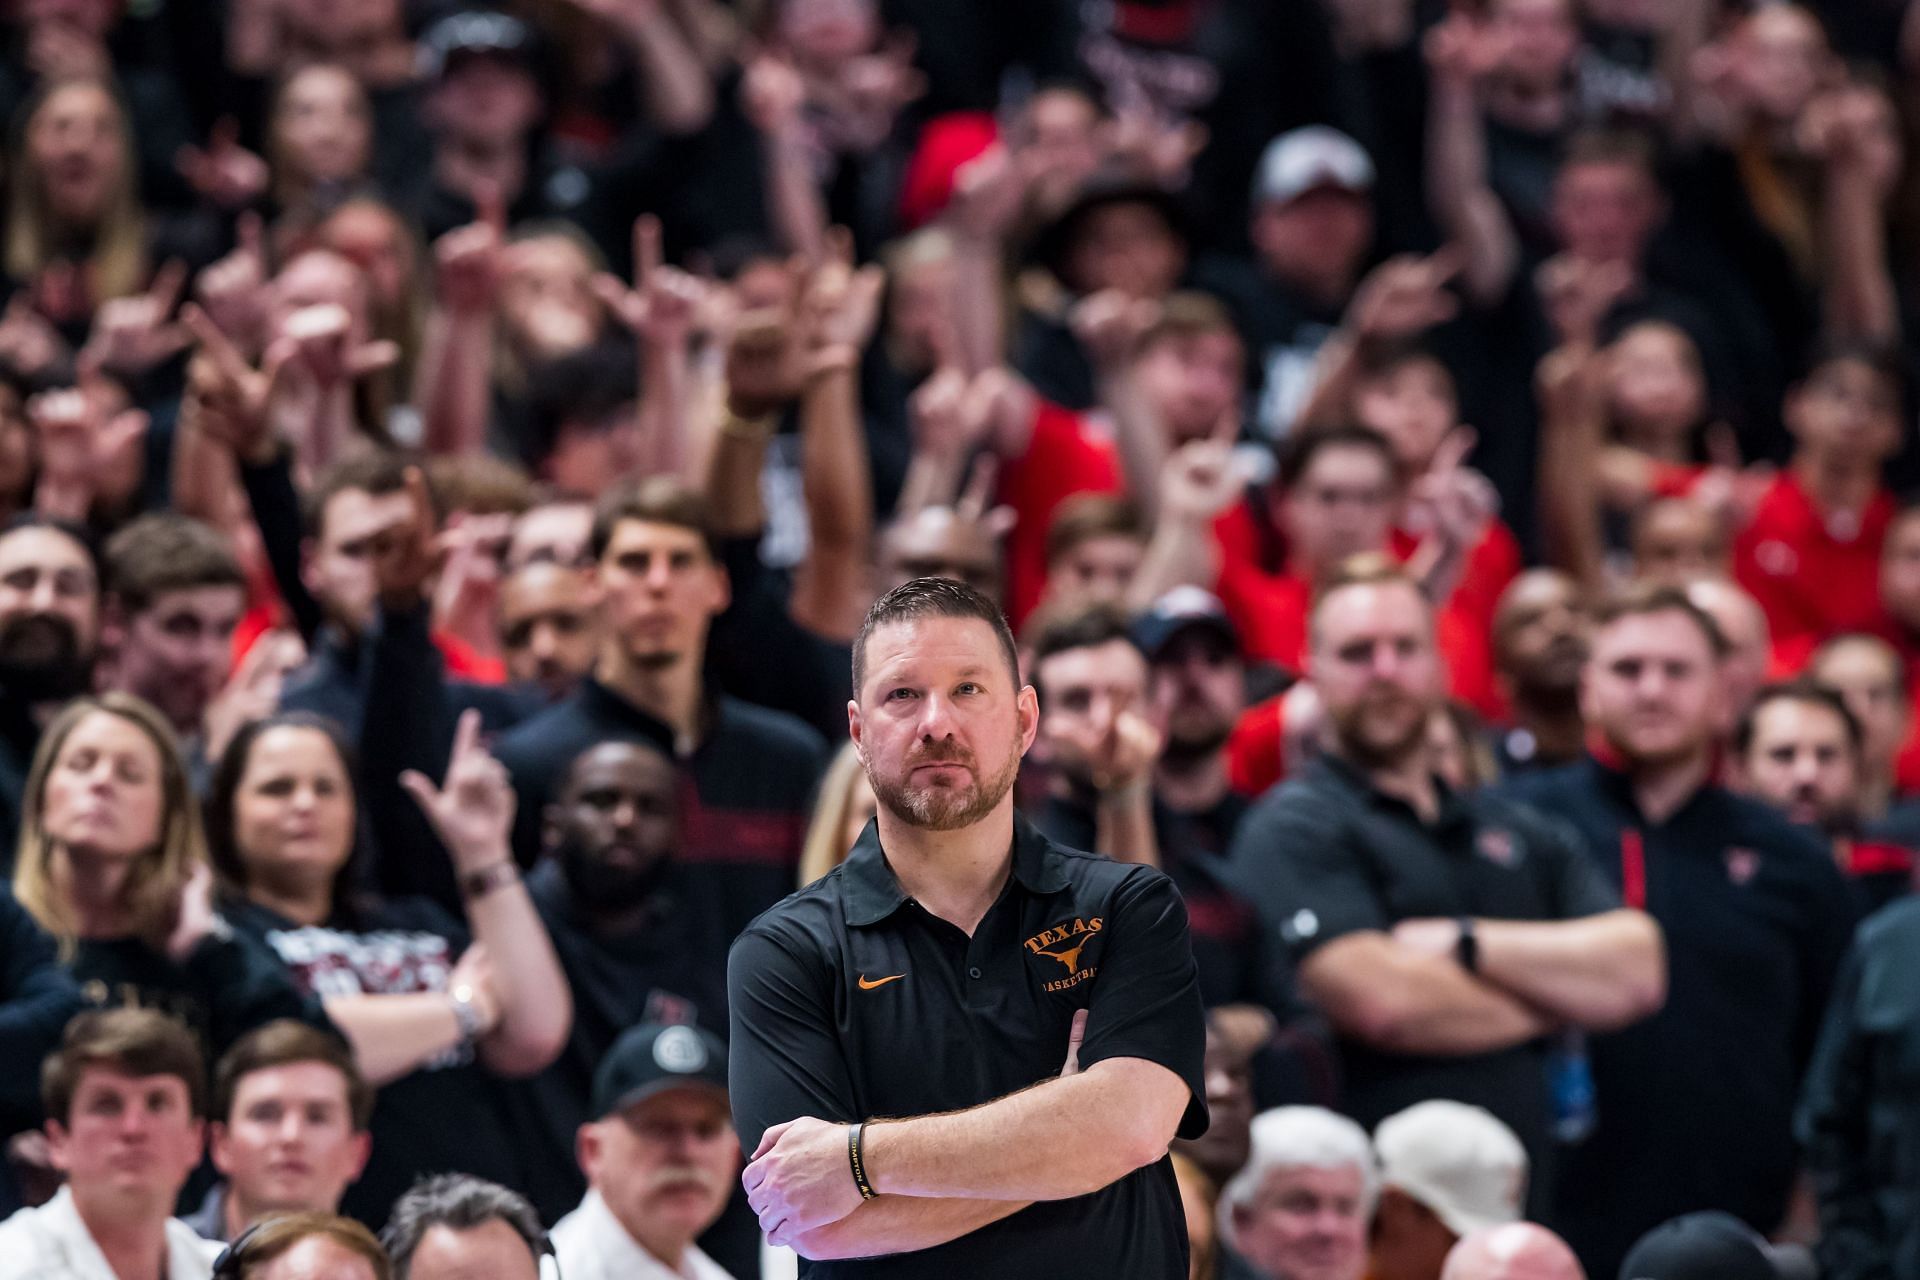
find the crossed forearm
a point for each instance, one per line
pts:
(901, 1224)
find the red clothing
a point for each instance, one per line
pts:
(1675, 479)
(1067, 454)
(1812, 580)
(1256, 758)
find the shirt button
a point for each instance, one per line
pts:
(974, 972)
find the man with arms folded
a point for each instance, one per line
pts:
(940, 975)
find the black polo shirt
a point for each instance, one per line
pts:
(1695, 1104)
(823, 1028)
(1325, 855)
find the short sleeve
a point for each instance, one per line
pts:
(784, 1058)
(1146, 999)
(1577, 884)
(1291, 860)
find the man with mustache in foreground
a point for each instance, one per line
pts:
(940, 975)
(659, 1160)
(1447, 937)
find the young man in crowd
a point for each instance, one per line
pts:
(124, 1099)
(453, 1226)
(1540, 634)
(1801, 750)
(549, 626)
(660, 1159)
(752, 770)
(289, 1133)
(1755, 916)
(1496, 932)
(175, 594)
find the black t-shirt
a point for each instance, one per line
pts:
(224, 989)
(1283, 333)
(746, 794)
(822, 1027)
(1695, 1104)
(1325, 855)
(759, 654)
(444, 1117)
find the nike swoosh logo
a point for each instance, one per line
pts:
(866, 985)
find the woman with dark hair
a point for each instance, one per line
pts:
(433, 1006)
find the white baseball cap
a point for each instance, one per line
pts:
(1457, 1160)
(1312, 156)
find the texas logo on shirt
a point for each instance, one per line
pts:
(1065, 942)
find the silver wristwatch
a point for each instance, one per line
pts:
(466, 1014)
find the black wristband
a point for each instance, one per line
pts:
(1468, 948)
(856, 1132)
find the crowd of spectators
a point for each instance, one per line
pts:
(1443, 464)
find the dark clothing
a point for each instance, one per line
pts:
(1695, 1104)
(1325, 855)
(1238, 961)
(447, 1115)
(671, 969)
(1859, 1121)
(759, 654)
(746, 793)
(836, 989)
(228, 985)
(1283, 332)
(37, 996)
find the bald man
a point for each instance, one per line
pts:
(1513, 1251)
(1743, 625)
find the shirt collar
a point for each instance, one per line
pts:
(602, 703)
(871, 892)
(1352, 779)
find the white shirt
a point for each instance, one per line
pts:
(52, 1243)
(592, 1245)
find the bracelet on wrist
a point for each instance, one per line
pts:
(856, 1159)
(755, 428)
(483, 881)
(466, 1014)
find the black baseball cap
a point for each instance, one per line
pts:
(1712, 1245)
(653, 1058)
(476, 32)
(1175, 613)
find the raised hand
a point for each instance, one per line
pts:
(224, 173)
(1578, 294)
(253, 690)
(772, 94)
(468, 261)
(406, 552)
(1143, 142)
(665, 305)
(472, 810)
(841, 306)
(1463, 51)
(194, 916)
(233, 291)
(1203, 477)
(134, 334)
(326, 347)
(1110, 326)
(989, 192)
(467, 594)
(29, 345)
(1404, 297)
(84, 448)
(227, 398)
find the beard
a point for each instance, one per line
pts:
(40, 656)
(1194, 741)
(1373, 740)
(943, 808)
(601, 886)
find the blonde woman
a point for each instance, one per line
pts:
(841, 813)
(112, 864)
(76, 234)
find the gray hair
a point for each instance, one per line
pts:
(460, 1202)
(1298, 1138)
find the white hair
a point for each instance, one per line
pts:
(1299, 1138)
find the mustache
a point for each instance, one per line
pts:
(942, 753)
(675, 1177)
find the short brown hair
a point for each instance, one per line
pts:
(279, 1234)
(1611, 146)
(164, 552)
(136, 1042)
(1189, 314)
(280, 1043)
(480, 484)
(378, 472)
(1807, 693)
(655, 500)
(932, 598)
(1367, 569)
(1062, 631)
(1639, 599)
(1087, 516)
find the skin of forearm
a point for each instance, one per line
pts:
(978, 320)
(901, 1224)
(1601, 972)
(793, 197)
(536, 1005)
(392, 1035)
(1860, 295)
(1181, 553)
(1142, 436)
(666, 401)
(1123, 825)
(676, 90)
(1066, 1137)
(451, 385)
(828, 584)
(1378, 992)
(733, 484)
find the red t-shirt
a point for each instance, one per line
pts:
(1067, 454)
(1812, 580)
(1255, 756)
